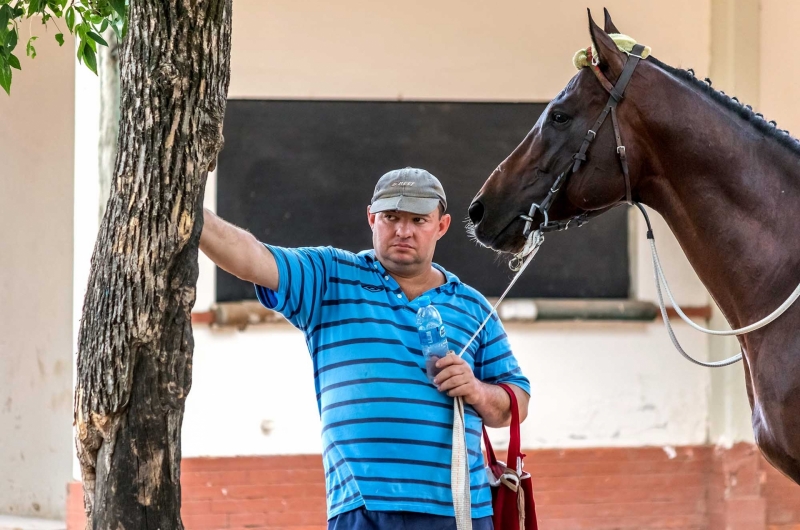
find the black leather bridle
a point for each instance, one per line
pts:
(616, 93)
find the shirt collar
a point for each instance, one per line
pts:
(369, 255)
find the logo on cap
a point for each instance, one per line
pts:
(402, 183)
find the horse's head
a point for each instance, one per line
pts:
(528, 174)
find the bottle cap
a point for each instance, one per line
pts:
(424, 301)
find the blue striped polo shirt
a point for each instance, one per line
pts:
(386, 431)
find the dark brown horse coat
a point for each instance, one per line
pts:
(726, 181)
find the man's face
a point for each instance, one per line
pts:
(404, 242)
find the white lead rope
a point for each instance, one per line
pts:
(741, 331)
(459, 465)
(532, 245)
(459, 469)
(659, 276)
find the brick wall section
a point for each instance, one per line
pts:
(736, 499)
(638, 488)
(783, 501)
(275, 492)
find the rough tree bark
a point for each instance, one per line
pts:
(108, 71)
(135, 343)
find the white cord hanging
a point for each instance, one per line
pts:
(532, 245)
(725, 333)
(660, 278)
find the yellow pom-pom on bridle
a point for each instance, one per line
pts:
(623, 42)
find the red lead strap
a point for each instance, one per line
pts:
(515, 441)
(512, 498)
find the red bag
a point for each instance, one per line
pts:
(512, 492)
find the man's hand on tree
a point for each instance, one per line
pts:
(457, 379)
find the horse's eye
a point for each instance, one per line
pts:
(559, 117)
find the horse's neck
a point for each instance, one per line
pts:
(732, 198)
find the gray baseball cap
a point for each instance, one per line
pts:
(408, 190)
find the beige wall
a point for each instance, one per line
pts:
(36, 154)
(447, 49)
(780, 78)
(751, 56)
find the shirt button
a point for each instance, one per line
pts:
(386, 277)
(399, 295)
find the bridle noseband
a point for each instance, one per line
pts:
(616, 93)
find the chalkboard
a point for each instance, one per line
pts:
(301, 173)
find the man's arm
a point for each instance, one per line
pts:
(237, 251)
(495, 407)
(490, 401)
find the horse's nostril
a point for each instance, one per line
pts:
(476, 212)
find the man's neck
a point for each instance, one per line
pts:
(413, 285)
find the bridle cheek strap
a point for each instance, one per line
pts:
(615, 96)
(616, 93)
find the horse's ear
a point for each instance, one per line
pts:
(609, 26)
(610, 59)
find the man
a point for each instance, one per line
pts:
(386, 431)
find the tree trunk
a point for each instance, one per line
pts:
(108, 71)
(135, 343)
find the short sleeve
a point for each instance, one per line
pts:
(495, 362)
(302, 277)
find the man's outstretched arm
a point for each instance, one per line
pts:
(237, 251)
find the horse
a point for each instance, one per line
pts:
(726, 181)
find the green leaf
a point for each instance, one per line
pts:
(30, 51)
(34, 7)
(90, 59)
(80, 52)
(5, 15)
(89, 42)
(119, 7)
(70, 18)
(5, 76)
(104, 26)
(60, 39)
(97, 38)
(11, 39)
(13, 62)
(116, 25)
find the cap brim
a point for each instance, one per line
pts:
(402, 203)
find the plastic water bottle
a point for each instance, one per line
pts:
(432, 336)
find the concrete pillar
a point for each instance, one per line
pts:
(36, 157)
(735, 69)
